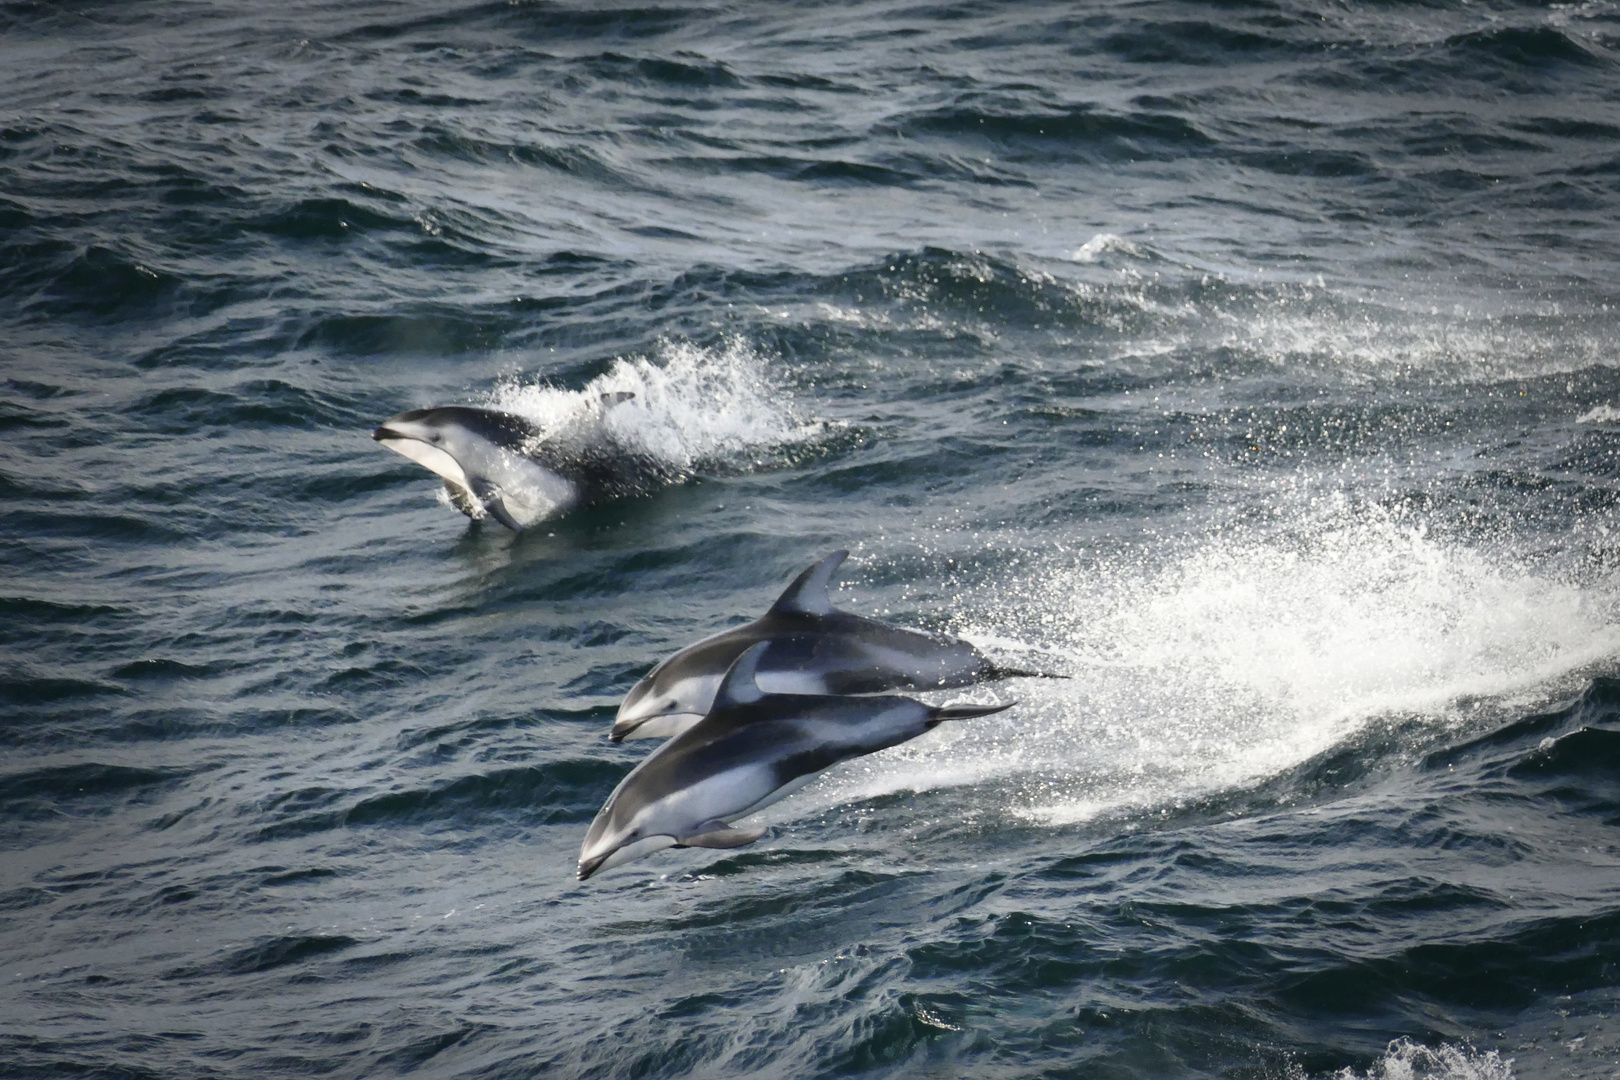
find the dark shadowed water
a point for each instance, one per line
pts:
(1255, 364)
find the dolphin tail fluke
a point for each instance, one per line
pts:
(968, 712)
(998, 672)
(720, 836)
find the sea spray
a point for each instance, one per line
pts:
(1407, 1060)
(692, 407)
(1234, 656)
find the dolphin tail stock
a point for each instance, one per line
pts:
(490, 496)
(966, 711)
(497, 510)
(998, 672)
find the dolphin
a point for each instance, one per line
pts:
(751, 749)
(814, 649)
(497, 463)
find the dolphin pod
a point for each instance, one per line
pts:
(751, 749)
(756, 712)
(752, 713)
(813, 648)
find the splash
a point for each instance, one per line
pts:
(1218, 663)
(1299, 327)
(1102, 244)
(1406, 1060)
(1600, 414)
(689, 409)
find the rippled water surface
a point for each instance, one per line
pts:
(1254, 365)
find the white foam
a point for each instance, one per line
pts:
(1406, 1060)
(1101, 244)
(1302, 325)
(1231, 659)
(691, 404)
(1601, 414)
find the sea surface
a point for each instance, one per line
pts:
(1255, 365)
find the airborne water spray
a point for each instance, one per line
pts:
(1223, 660)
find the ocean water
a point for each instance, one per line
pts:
(1254, 365)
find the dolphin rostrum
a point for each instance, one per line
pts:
(751, 749)
(813, 649)
(502, 465)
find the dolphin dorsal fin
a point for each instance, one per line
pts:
(737, 685)
(808, 593)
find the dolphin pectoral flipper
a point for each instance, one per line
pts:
(459, 498)
(718, 834)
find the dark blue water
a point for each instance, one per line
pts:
(1254, 364)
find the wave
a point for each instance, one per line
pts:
(562, 791)
(53, 792)
(1133, 314)
(1051, 134)
(1525, 47)
(1198, 42)
(267, 954)
(430, 330)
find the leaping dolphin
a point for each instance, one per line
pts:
(813, 649)
(751, 749)
(497, 463)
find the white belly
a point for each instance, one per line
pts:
(432, 459)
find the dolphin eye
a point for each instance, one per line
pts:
(437, 437)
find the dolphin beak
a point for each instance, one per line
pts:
(386, 432)
(659, 725)
(587, 867)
